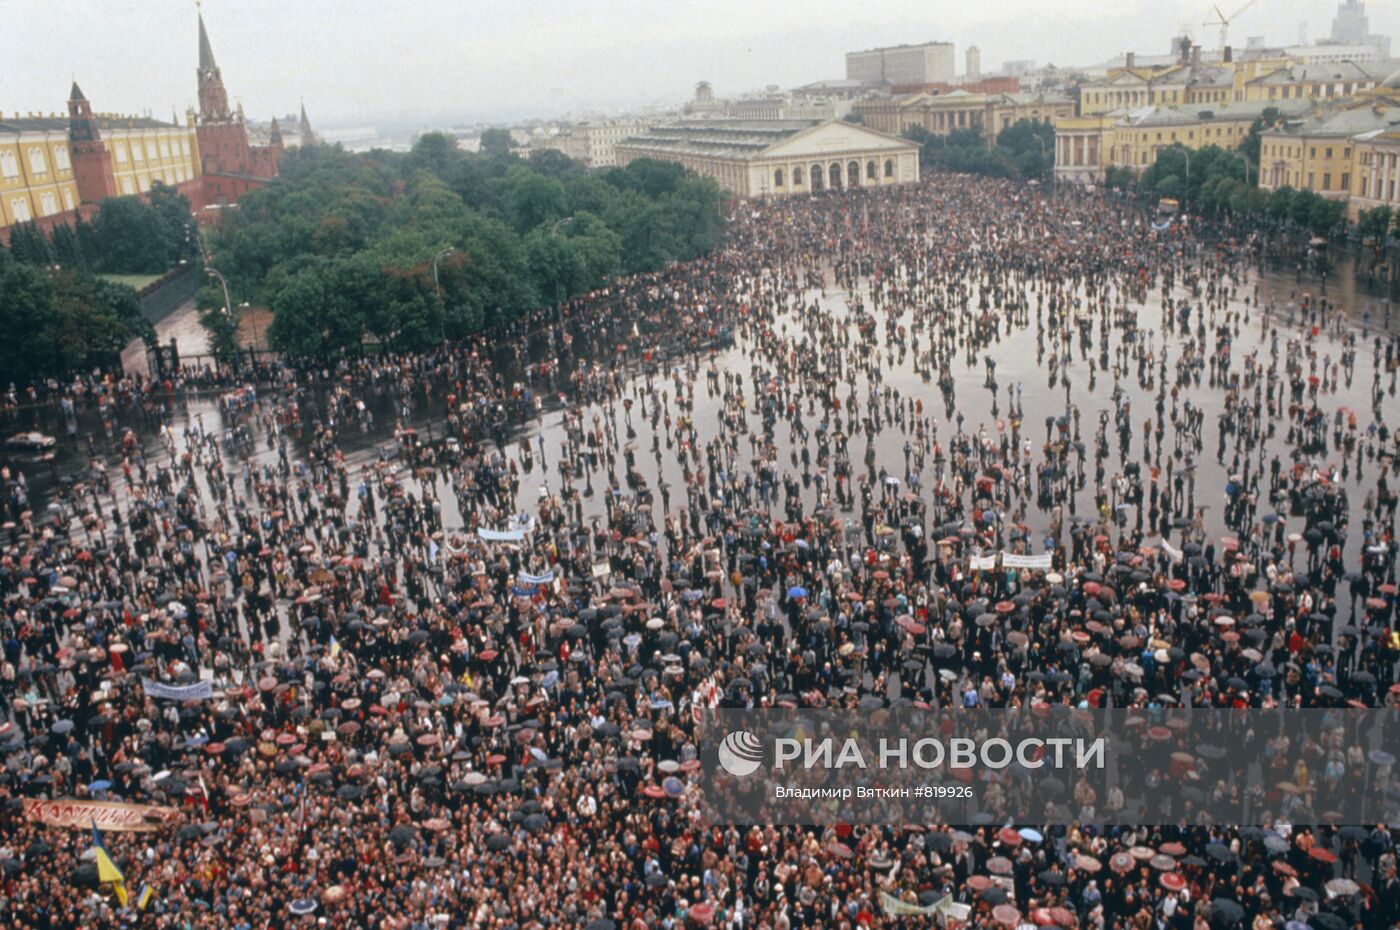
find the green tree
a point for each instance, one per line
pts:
(496, 142)
(1374, 224)
(219, 322)
(130, 237)
(435, 152)
(1250, 146)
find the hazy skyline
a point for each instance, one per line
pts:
(355, 62)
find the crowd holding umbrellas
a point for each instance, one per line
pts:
(960, 444)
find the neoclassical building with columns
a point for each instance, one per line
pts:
(776, 158)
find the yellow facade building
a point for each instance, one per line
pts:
(37, 177)
(1087, 146)
(1317, 150)
(36, 170)
(942, 114)
(1375, 176)
(1323, 81)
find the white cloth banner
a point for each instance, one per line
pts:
(527, 578)
(982, 563)
(1174, 554)
(1040, 562)
(199, 691)
(501, 535)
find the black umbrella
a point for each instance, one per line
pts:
(1327, 921)
(1225, 913)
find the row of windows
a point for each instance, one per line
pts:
(852, 173)
(1385, 190)
(38, 161)
(1317, 90)
(1284, 151)
(48, 205)
(151, 150)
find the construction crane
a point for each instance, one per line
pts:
(1224, 21)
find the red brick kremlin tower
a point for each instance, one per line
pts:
(231, 167)
(92, 162)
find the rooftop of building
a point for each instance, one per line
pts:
(901, 47)
(1323, 72)
(55, 123)
(1192, 114)
(720, 138)
(1352, 118)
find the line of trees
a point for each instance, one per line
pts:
(58, 320)
(1216, 183)
(1379, 225)
(127, 235)
(58, 314)
(406, 249)
(1023, 151)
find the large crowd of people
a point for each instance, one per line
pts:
(421, 641)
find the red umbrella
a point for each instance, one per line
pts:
(1006, 915)
(1173, 881)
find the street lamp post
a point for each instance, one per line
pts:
(228, 311)
(437, 287)
(558, 286)
(1244, 158)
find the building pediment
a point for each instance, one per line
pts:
(836, 137)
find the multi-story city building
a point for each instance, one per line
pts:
(51, 166)
(1087, 146)
(1375, 175)
(1351, 27)
(941, 114)
(1317, 81)
(929, 63)
(593, 143)
(1317, 150)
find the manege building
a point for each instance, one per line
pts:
(774, 158)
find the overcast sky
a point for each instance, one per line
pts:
(357, 62)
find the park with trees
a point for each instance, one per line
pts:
(403, 250)
(66, 300)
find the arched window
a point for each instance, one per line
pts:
(796, 177)
(9, 165)
(37, 162)
(889, 167)
(870, 170)
(834, 174)
(778, 178)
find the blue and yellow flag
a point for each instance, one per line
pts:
(145, 897)
(107, 870)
